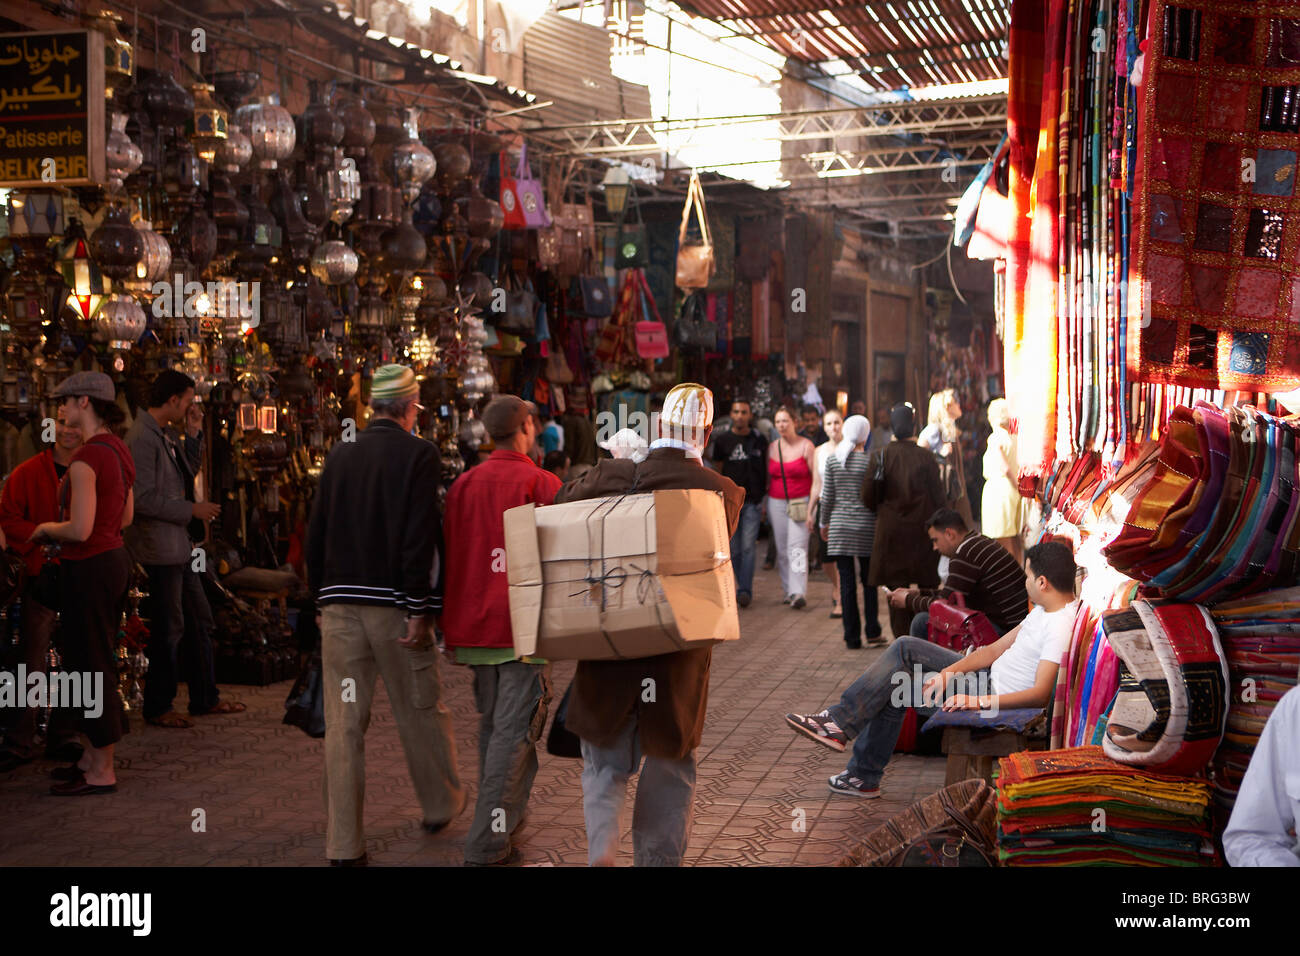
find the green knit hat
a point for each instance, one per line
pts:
(392, 382)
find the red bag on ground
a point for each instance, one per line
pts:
(957, 627)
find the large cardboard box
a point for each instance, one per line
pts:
(621, 577)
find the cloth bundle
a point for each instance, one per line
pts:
(1261, 640)
(1049, 803)
(1220, 517)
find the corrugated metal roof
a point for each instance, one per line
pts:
(892, 44)
(568, 62)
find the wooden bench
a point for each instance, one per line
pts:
(972, 743)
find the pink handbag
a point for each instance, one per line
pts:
(521, 196)
(651, 334)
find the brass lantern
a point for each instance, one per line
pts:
(207, 127)
(119, 57)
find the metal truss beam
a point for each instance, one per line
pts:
(629, 137)
(900, 159)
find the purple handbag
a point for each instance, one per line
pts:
(522, 198)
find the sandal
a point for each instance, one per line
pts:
(172, 719)
(225, 707)
(836, 611)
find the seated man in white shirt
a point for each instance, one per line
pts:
(1019, 670)
(1262, 828)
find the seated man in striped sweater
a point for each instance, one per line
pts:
(985, 573)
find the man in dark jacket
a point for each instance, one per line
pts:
(512, 693)
(903, 489)
(651, 706)
(372, 552)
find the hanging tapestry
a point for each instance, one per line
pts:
(1216, 221)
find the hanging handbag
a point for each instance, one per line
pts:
(651, 334)
(304, 708)
(557, 369)
(594, 292)
(521, 196)
(796, 508)
(692, 328)
(955, 626)
(695, 265)
(633, 250)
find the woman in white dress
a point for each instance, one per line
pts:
(1002, 510)
(833, 423)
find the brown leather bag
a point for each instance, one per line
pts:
(695, 264)
(955, 827)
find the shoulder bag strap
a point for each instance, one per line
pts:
(700, 210)
(781, 458)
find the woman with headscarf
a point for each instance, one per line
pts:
(849, 528)
(1002, 511)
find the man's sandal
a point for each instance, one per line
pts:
(171, 719)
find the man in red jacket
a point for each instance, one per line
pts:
(511, 693)
(30, 497)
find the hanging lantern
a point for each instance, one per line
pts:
(411, 163)
(116, 245)
(155, 260)
(207, 126)
(235, 150)
(422, 350)
(85, 283)
(270, 129)
(321, 127)
(342, 187)
(120, 322)
(123, 157)
(247, 417)
(334, 262)
(454, 163)
(358, 125)
(119, 57)
(266, 415)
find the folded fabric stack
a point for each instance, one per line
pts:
(1219, 518)
(1077, 807)
(1261, 640)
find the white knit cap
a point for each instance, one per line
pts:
(688, 413)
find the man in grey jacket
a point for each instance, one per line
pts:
(160, 540)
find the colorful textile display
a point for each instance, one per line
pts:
(1214, 280)
(1088, 677)
(1261, 641)
(1048, 803)
(1220, 516)
(1172, 701)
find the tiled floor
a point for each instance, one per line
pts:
(255, 784)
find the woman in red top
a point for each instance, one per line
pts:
(790, 477)
(97, 502)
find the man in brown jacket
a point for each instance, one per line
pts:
(903, 489)
(652, 706)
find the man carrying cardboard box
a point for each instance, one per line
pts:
(652, 706)
(511, 693)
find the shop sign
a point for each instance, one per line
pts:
(51, 108)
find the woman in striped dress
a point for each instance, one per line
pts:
(849, 529)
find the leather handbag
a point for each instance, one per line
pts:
(561, 741)
(594, 292)
(693, 328)
(651, 333)
(522, 199)
(304, 708)
(955, 827)
(557, 369)
(955, 626)
(695, 263)
(518, 312)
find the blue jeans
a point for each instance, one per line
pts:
(742, 547)
(664, 811)
(873, 707)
